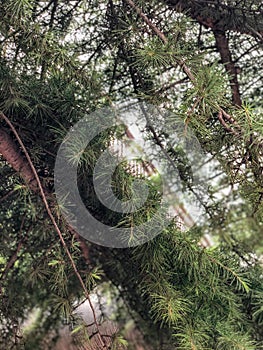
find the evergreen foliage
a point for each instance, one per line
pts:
(199, 60)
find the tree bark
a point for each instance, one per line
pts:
(226, 58)
(16, 160)
(244, 18)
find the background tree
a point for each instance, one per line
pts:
(200, 60)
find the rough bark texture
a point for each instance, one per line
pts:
(226, 58)
(16, 160)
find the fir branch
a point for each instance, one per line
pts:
(182, 64)
(231, 271)
(219, 15)
(53, 220)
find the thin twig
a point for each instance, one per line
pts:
(222, 115)
(14, 257)
(157, 31)
(186, 69)
(170, 86)
(8, 194)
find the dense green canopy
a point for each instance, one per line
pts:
(200, 61)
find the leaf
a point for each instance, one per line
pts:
(54, 262)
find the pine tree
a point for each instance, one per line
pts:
(198, 62)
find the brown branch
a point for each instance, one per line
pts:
(231, 119)
(83, 245)
(225, 125)
(157, 31)
(220, 16)
(170, 86)
(222, 115)
(222, 45)
(14, 257)
(252, 47)
(226, 58)
(53, 12)
(13, 156)
(147, 21)
(8, 194)
(18, 161)
(12, 260)
(224, 118)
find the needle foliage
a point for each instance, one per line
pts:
(200, 61)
